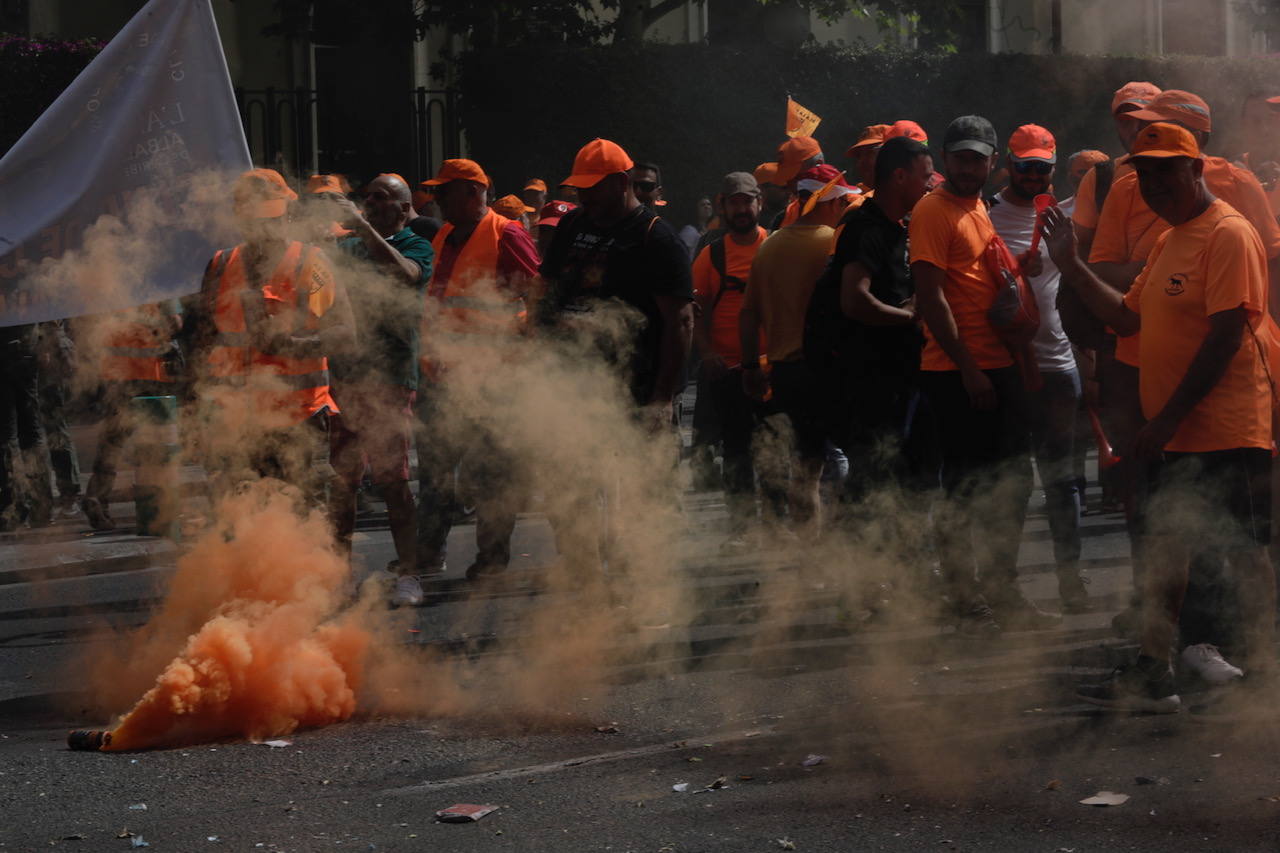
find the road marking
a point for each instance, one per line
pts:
(697, 742)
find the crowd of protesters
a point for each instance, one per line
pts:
(913, 338)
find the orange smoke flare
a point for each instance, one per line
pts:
(1106, 455)
(270, 656)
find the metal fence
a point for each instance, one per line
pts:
(297, 130)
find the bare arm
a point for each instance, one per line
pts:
(673, 350)
(754, 382)
(858, 303)
(1104, 301)
(1119, 276)
(381, 253)
(936, 313)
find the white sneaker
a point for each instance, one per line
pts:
(1207, 662)
(408, 592)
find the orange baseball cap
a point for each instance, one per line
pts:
(597, 160)
(511, 206)
(1136, 93)
(458, 170)
(907, 128)
(872, 134)
(1033, 142)
(261, 194)
(536, 184)
(793, 154)
(766, 173)
(324, 184)
(1177, 105)
(1082, 161)
(1163, 139)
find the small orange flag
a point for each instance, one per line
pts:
(800, 121)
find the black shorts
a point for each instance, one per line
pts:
(1216, 499)
(798, 394)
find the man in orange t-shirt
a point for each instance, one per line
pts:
(1089, 196)
(974, 390)
(1207, 398)
(1127, 231)
(720, 274)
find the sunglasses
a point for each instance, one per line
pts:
(1037, 167)
(645, 186)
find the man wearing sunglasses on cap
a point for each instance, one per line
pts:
(1051, 410)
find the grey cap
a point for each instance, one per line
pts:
(970, 133)
(739, 183)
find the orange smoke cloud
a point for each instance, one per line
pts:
(272, 653)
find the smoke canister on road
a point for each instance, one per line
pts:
(88, 740)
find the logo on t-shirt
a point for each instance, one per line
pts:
(1176, 285)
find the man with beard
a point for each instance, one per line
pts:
(387, 270)
(1051, 410)
(720, 274)
(879, 359)
(614, 257)
(975, 391)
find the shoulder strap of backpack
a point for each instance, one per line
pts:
(1104, 174)
(716, 248)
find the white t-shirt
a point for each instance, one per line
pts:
(1014, 223)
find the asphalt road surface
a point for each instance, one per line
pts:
(827, 729)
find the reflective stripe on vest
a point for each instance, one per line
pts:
(231, 358)
(135, 347)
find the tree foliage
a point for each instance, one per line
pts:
(484, 24)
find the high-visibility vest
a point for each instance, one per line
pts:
(297, 387)
(135, 346)
(472, 307)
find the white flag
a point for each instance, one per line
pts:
(97, 206)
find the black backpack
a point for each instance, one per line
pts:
(826, 329)
(1079, 323)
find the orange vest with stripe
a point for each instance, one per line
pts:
(298, 387)
(135, 348)
(473, 306)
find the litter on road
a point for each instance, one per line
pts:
(463, 813)
(1105, 798)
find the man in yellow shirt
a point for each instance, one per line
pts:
(783, 274)
(1207, 398)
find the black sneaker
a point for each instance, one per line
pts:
(1016, 613)
(976, 619)
(96, 512)
(1147, 686)
(1072, 592)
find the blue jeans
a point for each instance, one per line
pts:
(1051, 418)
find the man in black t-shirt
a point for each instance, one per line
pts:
(615, 250)
(880, 353)
(614, 260)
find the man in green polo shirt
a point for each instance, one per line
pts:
(385, 267)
